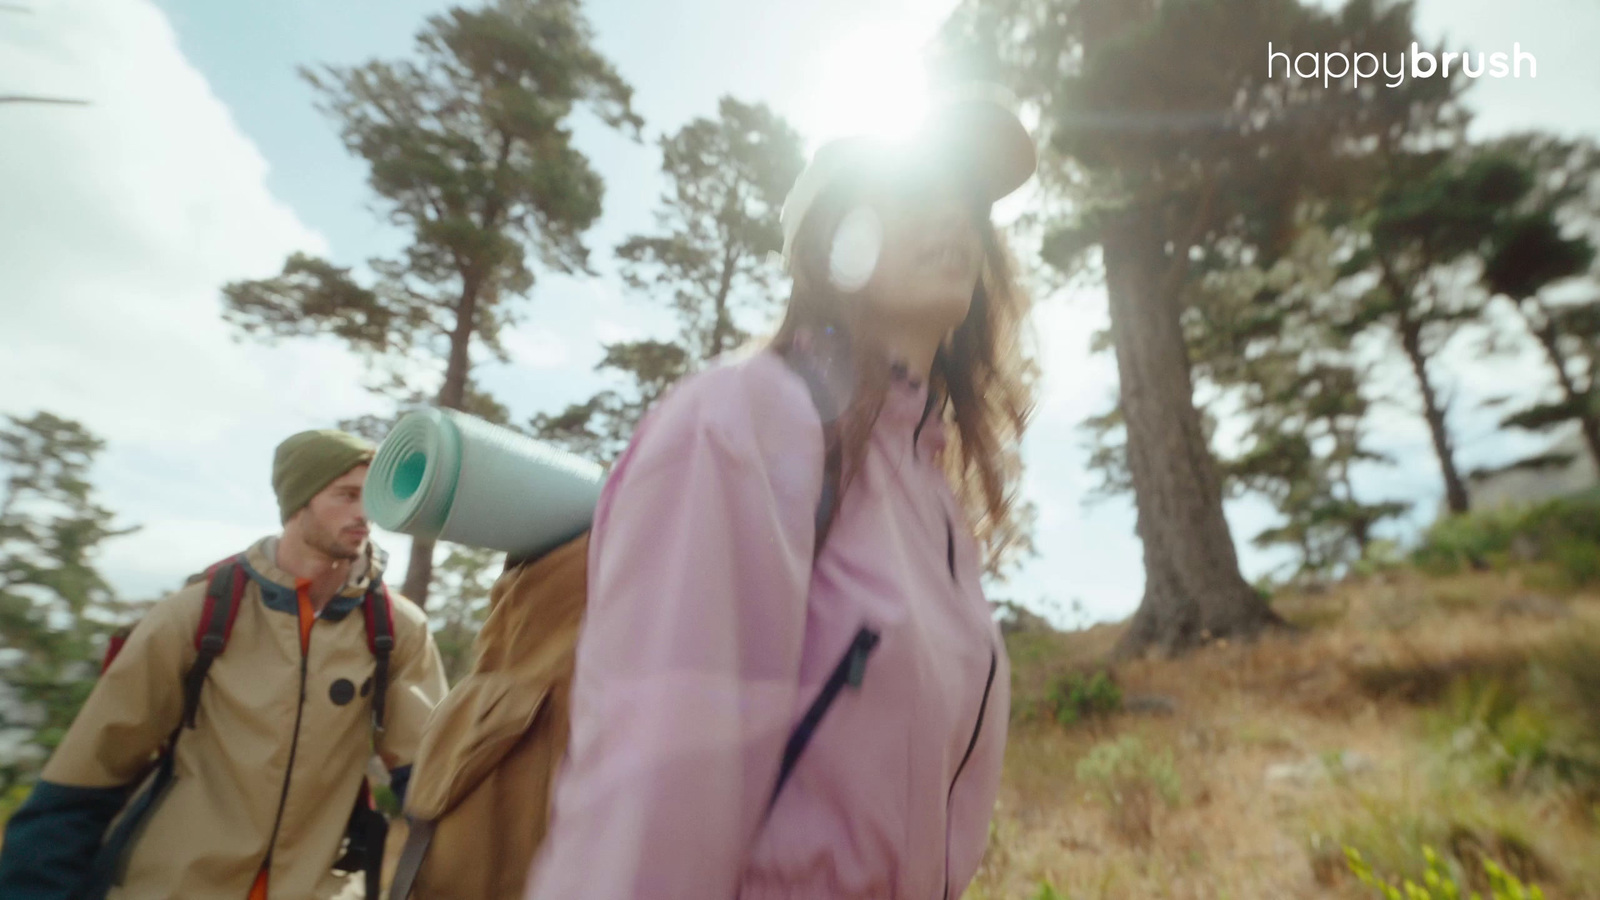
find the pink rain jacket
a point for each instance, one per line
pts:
(709, 633)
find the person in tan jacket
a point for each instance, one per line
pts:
(264, 781)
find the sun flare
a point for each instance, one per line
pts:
(871, 81)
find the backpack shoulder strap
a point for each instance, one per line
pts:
(114, 645)
(378, 609)
(225, 584)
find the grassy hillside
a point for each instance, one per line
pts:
(1459, 712)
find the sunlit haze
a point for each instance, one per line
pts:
(873, 80)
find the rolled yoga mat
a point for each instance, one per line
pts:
(447, 475)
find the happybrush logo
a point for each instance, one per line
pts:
(1423, 64)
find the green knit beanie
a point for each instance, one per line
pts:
(310, 461)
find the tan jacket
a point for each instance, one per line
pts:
(486, 765)
(275, 762)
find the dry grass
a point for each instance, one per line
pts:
(1358, 681)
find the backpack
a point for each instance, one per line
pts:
(226, 583)
(479, 799)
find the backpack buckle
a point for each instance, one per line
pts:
(211, 643)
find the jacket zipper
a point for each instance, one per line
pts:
(972, 744)
(850, 672)
(294, 747)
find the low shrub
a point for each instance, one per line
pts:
(1439, 882)
(1075, 696)
(1563, 533)
(1130, 780)
(1537, 727)
(1047, 891)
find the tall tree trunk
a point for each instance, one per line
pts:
(1455, 490)
(1193, 588)
(722, 327)
(452, 395)
(1582, 401)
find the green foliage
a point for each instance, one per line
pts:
(1129, 780)
(1530, 248)
(1074, 697)
(469, 152)
(718, 224)
(1112, 766)
(1047, 891)
(1564, 532)
(1106, 436)
(1569, 678)
(462, 582)
(599, 428)
(1135, 116)
(1162, 142)
(1439, 883)
(1529, 252)
(1447, 809)
(55, 608)
(1453, 542)
(710, 258)
(1489, 721)
(1265, 335)
(11, 799)
(1532, 727)
(1380, 556)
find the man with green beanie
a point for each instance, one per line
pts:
(241, 783)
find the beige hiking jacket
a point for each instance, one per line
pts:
(273, 767)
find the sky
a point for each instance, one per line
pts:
(201, 160)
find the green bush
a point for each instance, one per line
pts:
(1535, 727)
(1439, 883)
(1047, 891)
(1074, 697)
(1129, 780)
(1565, 679)
(1577, 559)
(1454, 542)
(1380, 556)
(1564, 533)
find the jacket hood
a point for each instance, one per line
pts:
(278, 586)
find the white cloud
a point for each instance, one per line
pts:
(121, 221)
(538, 348)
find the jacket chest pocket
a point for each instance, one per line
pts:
(350, 691)
(340, 694)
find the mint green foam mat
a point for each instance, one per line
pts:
(443, 474)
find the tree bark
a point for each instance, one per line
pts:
(1194, 591)
(1455, 490)
(452, 395)
(722, 326)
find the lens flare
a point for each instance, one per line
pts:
(872, 81)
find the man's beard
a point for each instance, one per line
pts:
(329, 545)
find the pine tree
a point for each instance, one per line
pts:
(469, 153)
(55, 606)
(710, 258)
(1165, 134)
(1544, 238)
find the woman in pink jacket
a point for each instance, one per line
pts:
(789, 683)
